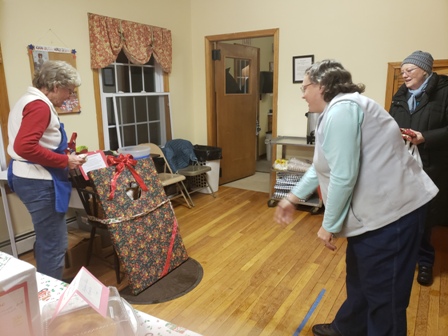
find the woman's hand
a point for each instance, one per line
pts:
(418, 139)
(74, 160)
(284, 211)
(327, 238)
(412, 136)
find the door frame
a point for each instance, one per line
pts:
(210, 77)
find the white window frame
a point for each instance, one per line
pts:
(158, 78)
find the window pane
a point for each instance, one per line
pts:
(155, 133)
(154, 104)
(140, 109)
(123, 78)
(108, 79)
(125, 107)
(142, 133)
(151, 61)
(113, 140)
(137, 79)
(121, 58)
(128, 136)
(237, 75)
(110, 111)
(150, 85)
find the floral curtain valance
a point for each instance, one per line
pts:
(138, 41)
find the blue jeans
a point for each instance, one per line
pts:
(50, 226)
(380, 273)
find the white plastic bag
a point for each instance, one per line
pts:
(413, 150)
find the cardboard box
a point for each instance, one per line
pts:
(19, 303)
(76, 255)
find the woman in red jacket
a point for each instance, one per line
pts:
(38, 171)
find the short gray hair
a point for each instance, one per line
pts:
(333, 77)
(56, 74)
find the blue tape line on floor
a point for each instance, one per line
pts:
(310, 312)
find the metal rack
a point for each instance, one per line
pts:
(286, 179)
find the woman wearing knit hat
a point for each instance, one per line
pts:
(421, 104)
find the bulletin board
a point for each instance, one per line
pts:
(40, 54)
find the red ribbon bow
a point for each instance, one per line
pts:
(121, 162)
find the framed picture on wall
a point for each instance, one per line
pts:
(299, 66)
(38, 55)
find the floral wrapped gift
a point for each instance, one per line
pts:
(140, 220)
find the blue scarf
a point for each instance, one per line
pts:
(412, 101)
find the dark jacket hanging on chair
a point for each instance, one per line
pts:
(179, 153)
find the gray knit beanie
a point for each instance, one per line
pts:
(421, 59)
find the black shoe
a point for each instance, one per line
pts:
(424, 276)
(324, 330)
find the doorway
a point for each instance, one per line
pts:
(236, 94)
(212, 111)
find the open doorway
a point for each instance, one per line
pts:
(268, 111)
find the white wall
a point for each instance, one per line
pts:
(363, 35)
(64, 23)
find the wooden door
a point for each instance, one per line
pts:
(237, 92)
(394, 79)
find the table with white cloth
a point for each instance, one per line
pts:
(50, 289)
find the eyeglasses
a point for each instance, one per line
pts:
(408, 71)
(303, 87)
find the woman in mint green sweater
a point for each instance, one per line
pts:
(368, 181)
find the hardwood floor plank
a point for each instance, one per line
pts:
(262, 278)
(412, 308)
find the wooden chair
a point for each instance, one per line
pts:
(168, 178)
(89, 200)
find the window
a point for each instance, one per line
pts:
(133, 103)
(237, 75)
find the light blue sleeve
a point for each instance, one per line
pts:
(307, 184)
(342, 149)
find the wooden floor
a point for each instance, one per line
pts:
(264, 279)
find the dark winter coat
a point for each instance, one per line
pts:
(431, 119)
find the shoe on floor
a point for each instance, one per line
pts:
(424, 276)
(324, 330)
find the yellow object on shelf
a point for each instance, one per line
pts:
(280, 164)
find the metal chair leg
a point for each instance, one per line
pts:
(185, 191)
(182, 191)
(210, 187)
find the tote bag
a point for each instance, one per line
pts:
(413, 150)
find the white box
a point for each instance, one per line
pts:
(19, 302)
(212, 176)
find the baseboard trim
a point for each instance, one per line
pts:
(25, 242)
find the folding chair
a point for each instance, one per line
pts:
(167, 177)
(182, 159)
(197, 173)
